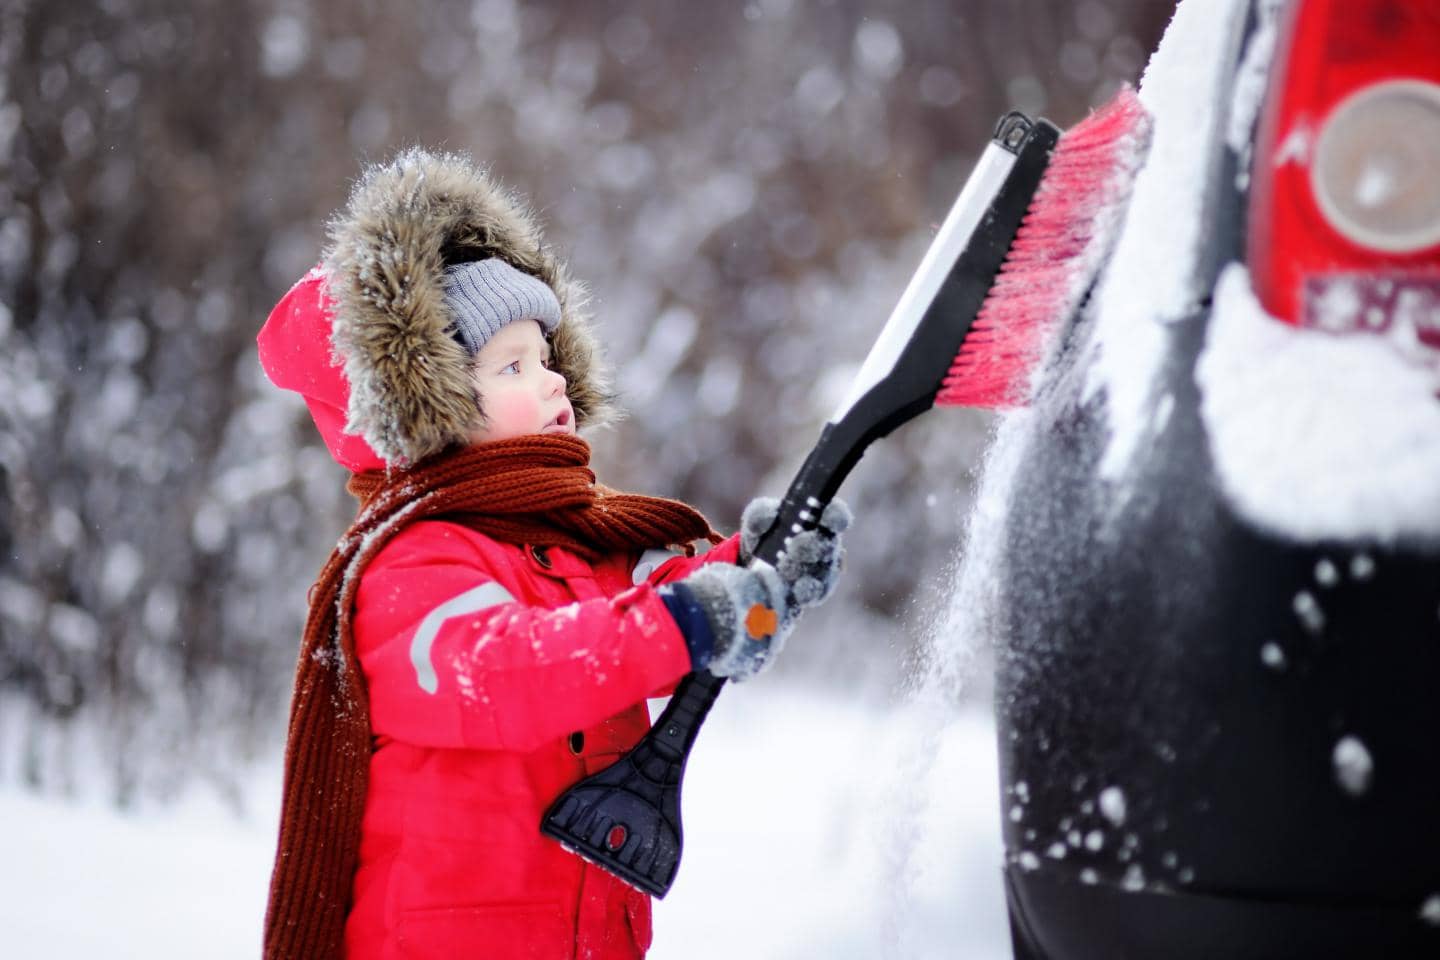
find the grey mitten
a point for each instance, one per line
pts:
(812, 559)
(735, 620)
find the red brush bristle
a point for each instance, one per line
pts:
(1062, 241)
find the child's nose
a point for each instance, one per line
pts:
(557, 383)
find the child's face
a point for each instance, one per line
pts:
(518, 391)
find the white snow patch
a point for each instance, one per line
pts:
(191, 880)
(1112, 805)
(1336, 306)
(1295, 148)
(1272, 656)
(1249, 92)
(1163, 408)
(669, 341)
(161, 611)
(1430, 910)
(209, 526)
(878, 49)
(819, 90)
(1153, 276)
(284, 45)
(21, 603)
(1317, 436)
(1308, 609)
(73, 628)
(1354, 767)
(255, 478)
(83, 880)
(121, 570)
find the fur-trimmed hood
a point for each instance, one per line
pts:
(406, 386)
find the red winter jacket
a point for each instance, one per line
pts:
(498, 676)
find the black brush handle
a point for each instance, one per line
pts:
(810, 492)
(627, 817)
(674, 733)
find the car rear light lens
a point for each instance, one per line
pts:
(1376, 172)
(1345, 193)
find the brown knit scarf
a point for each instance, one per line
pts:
(535, 490)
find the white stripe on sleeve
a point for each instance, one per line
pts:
(649, 561)
(483, 597)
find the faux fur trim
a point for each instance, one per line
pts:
(410, 393)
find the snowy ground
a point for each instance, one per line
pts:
(814, 828)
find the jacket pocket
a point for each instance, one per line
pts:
(519, 929)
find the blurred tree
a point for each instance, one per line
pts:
(746, 187)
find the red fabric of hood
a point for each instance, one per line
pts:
(296, 353)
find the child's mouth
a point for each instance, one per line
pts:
(560, 423)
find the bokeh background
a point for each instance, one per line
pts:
(746, 188)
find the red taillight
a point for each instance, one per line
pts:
(1346, 168)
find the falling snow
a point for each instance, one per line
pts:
(1272, 656)
(1354, 767)
(1112, 805)
(1307, 608)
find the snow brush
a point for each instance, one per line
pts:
(1013, 258)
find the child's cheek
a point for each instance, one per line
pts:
(512, 413)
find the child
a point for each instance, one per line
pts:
(485, 634)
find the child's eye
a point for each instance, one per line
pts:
(512, 368)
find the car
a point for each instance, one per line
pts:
(1213, 585)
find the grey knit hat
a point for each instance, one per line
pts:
(484, 295)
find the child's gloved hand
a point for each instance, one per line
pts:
(735, 619)
(812, 560)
